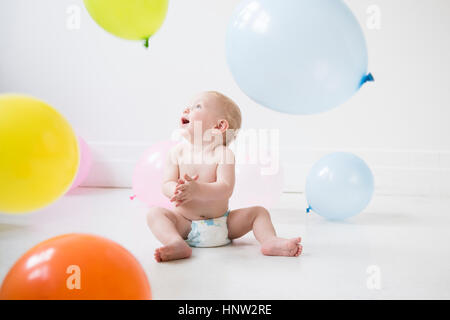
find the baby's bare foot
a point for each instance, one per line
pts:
(173, 251)
(282, 247)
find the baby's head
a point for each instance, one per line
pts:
(215, 112)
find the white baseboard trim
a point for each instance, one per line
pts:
(397, 172)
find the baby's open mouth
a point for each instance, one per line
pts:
(184, 120)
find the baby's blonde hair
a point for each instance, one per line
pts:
(232, 114)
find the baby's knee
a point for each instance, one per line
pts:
(261, 211)
(151, 215)
(157, 213)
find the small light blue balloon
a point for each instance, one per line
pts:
(297, 56)
(339, 186)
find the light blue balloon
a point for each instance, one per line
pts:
(339, 186)
(297, 56)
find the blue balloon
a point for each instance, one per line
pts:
(339, 186)
(297, 56)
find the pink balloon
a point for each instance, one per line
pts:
(85, 163)
(148, 175)
(255, 187)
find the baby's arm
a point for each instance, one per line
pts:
(222, 188)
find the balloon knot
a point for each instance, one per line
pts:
(146, 42)
(308, 210)
(367, 78)
(132, 197)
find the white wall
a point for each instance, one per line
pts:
(121, 97)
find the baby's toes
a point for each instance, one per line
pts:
(157, 255)
(294, 247)
(163, 253)
(299, 250)
(293, 251)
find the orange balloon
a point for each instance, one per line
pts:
(76, 267)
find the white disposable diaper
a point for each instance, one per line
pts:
(209, 232)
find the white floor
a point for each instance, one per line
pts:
(404, 242)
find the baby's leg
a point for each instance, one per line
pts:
(241, 221)
(170, 229)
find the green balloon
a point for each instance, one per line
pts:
(129, 19)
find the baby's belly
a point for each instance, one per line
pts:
(201, 210)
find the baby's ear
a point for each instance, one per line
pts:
(222, 125)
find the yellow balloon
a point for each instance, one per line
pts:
(39, 154)
(129, 19)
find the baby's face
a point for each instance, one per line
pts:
(204, 109)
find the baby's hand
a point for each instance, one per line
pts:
(185, 190)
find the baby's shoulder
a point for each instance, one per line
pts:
(176, 151)
(177, 148)
(224, 155)
(223, 149)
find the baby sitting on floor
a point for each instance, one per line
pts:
(199, 180)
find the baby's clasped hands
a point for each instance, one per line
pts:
(185, 190)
